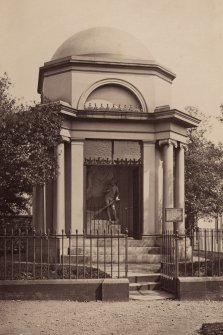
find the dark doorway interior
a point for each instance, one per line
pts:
(128, 209)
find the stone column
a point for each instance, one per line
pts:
(77, 185)
(148, 188)
(180, 184)
(49, 193)
(38, 207)
(168, 189)
(59, 192)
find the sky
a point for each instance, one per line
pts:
(185, 36)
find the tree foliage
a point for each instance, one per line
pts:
(203, 173)
(28, 137)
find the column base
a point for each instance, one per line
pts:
(184, 249)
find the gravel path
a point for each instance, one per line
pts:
(135, 317)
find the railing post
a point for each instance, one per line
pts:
(104, 255)
(56, 252)
(34, 253)
(5, 258)
(69, 236)
(97, 254)
(12, 253)
(62, 254)
(198, 250)
(90, 255)
(176, 272)
(19, 253)
(27, 252)
(118, 255)
(126, 253)
(77, 275)
(84, 236)
(41, 255)
(111, 255)
(48, 254)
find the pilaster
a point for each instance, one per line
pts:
(149, 190)
(180, 183)
(77, 182)
(59, 192)
(168, 178)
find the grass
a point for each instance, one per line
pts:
(210, 268)
(28, 271)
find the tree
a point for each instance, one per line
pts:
(28, 137)
(203, 174)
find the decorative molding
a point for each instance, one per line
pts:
(135, 109)
(168, 142)
(111, 81)
(116, 162)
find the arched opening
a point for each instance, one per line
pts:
(113, 97)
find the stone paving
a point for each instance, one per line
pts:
(134, 317)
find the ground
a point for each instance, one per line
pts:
(134, 317)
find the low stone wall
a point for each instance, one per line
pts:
(200, 288)
(65, 289)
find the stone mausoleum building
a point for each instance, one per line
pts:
(119, 131)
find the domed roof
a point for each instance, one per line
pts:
(103, 42)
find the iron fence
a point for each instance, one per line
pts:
(34, 255)
(197, 254)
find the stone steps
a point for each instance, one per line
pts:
(121, 250)
(136, 269)
(143, 277)
(150, 295)
(132, 258)
(114, 241)
(146, 287)
(144, 282)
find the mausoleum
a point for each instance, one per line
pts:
(121, 159)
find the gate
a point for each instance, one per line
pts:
(169, 262)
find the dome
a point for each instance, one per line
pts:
(103, 42)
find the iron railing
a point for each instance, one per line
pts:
(34, 255)
(197, 254)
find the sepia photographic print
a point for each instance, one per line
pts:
(111, 171)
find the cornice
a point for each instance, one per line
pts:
(70, 63)
(179, 116)
(172, 115)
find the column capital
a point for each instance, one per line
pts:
(65, 139)
(183, 146)
(65, 135)
(146, 142)
(168, 142)
(77, 140)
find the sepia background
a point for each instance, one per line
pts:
(184, 36)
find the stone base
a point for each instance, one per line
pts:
(200, 288)
(103, 227)
(65, 289)
(184, 249)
